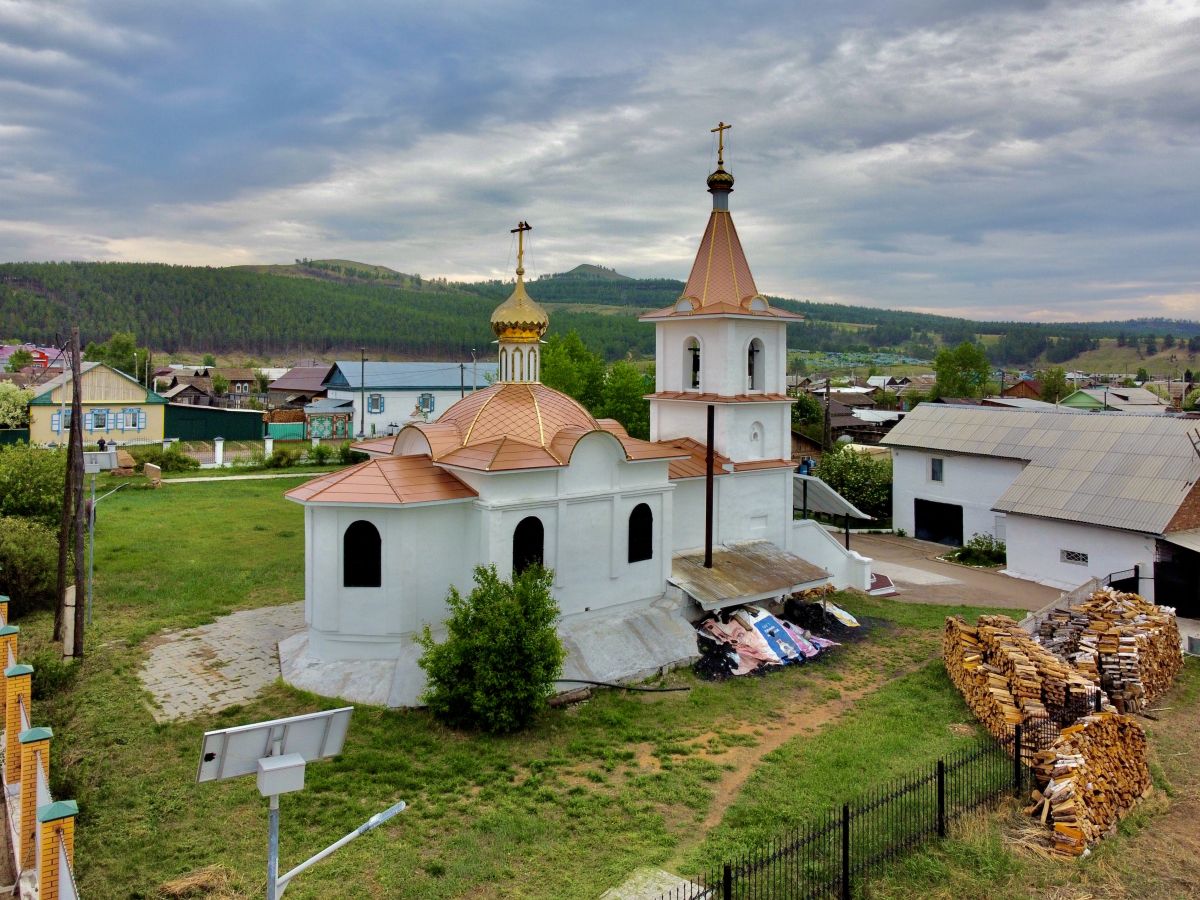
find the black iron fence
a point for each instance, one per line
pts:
(832, 855)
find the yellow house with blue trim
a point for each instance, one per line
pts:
(115, 407)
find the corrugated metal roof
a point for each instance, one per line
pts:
(743, 573)
(378, 376)
(1117, 470)
(822, 498)
(1188, 539)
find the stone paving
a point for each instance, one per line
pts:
(205, 669)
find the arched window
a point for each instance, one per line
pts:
(504, 364)
(362, 556)
(757, 441)
(533, 367)
(529, 540)
(691, 364)
(755, 366)
(518, 366)
(641, 533)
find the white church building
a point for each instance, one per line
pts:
(519, 473)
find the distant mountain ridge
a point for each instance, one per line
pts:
(325, 305)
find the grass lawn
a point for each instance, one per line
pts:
(565, 811)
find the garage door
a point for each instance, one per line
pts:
(939, 522)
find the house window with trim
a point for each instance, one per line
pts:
(374, 403)
(100, 420)
(1074, 557)
(936, 470)
(362, 555)
(641, 533)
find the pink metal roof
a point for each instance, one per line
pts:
(392, 480)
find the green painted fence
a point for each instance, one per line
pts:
(14, 436)
(203, 423)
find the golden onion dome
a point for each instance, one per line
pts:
(720, 180)
(520, 318)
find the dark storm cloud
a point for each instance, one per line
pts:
(1034, 158)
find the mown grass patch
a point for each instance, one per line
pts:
(565, 810)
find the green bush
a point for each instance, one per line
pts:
(347, 454)
(863, 479)
(320, 454)
(31, 482)
(980, 550)
(28, 564)
(283, 457)
(51, 673)
(496, 669)
(172, 460)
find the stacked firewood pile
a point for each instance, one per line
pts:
(1089, 779)
(1125, 642)
(1007, 678)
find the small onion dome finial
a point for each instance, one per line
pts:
(519, 318)
(720, 180)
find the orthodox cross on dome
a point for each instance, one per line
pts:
(519, 231)
(719, 131)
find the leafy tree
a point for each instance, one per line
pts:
(496, 669)
(1122, 340)
(961, 372)
(807, 410)
(14, 405)
(863, 479)
(120, 351)
(1142, 375)
(1188, 377)
(1168, 341)
(209, 360)
(1194, 344)
(624, 391)
(19, 360)
(1054, 384)
(570, 367)
(262, 381)
(31, 482)
(1192, 400)
(220, 385)
(1151, 345)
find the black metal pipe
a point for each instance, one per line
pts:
(846, 524)
(708, 488)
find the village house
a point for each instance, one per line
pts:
(1026, 388)
(396, 393)
(1116, 399)
(1074, 496)
(299, 386)
(115, 407)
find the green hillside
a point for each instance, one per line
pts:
(329, 306)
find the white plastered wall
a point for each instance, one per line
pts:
(1035, 549)
(747, 506)
(973, 482)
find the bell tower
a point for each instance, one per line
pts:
(723, 344)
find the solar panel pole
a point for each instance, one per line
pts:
(273, 835)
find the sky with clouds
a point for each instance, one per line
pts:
(1022, 160)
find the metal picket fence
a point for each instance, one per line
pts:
(833, 854)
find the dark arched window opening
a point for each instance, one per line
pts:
(691, 364)
(362, 556)
(754, 366)
(529, 540)
(641, 533)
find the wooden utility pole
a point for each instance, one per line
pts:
(64, 527)
(76, 462)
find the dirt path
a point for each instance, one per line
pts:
(744, 758)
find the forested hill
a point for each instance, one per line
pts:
(319, 307)
(171, 308)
